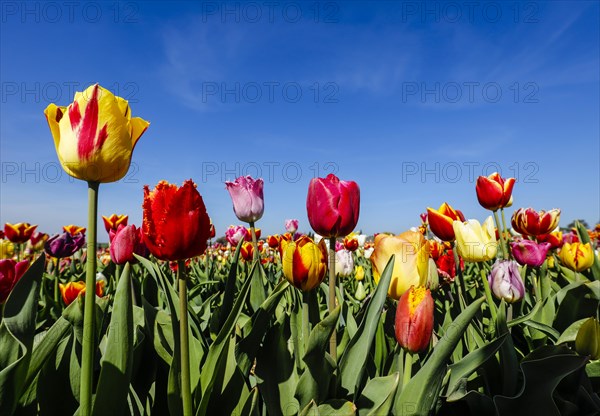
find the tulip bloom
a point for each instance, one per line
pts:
(304, 262)
(176, 225)
(351, 242)
(213, 231)
(73, 229)
(414, 319)
(446, 266)
(411, 262)
(555, 239)
(235, 233)
(95, 135)
(505, 281)
(64, 245)
(247, 251)
(247, 197)
(333, 206)
(577, 256)
(20, 232)
(359, 272)
(291, 226)
(7, 249)
(273, 241)
(344, 263)
(72, 290)
(38, 240)
(10, 273)
(475, 242)
(493, 191)
(125, 242)
(531, 222)
(113, 222)
(530, 253)
(440, 221)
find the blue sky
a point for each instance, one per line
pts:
(413, 100)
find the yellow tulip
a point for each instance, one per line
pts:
(304, 262)
(411, 262)
(7, 249)
(476, 242)
(577, 256)
(359, 272)
(95, 135)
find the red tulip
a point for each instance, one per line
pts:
(176, 225)
(20, 232)
(113, 222)
(333, 206)
(10, 273)
(273, 241)
(351, 243)
(125, 242)
(414, 319)
(213, 231)
(247, 251)
(531, 222)
(493, 191)
(554, 238)
(440, 221)
(71, 290)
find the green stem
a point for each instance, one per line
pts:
(503, 220)
(56, 281)
(333, 339)
(254, 240)
(186, 390)
(488, 295)
(502, 240)
(305, 319)
(462, 290)
(408, 360)
(88, 348)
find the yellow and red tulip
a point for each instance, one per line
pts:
(351, 242)
(95, 135)
(304, 262)
(577, 256)
(113, 222)
(72, 290)
(74, 229)
(411, 262)
(20, 232)
(414, 319)
(247, 251)
(440, 221)
(528, 221)
(494, 192)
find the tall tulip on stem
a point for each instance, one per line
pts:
(333, 207)
(94, 139)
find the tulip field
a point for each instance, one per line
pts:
(455, 316)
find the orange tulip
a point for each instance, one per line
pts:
(414, 319)
(72, 290)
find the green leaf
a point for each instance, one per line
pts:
(218, 349)
(570, 333)
(421, 392)
(117, 362)
(377, 398)
(256, 328)
(230, 284)
(314, 382)
(352, 363)
(548, 330)
(16, 335)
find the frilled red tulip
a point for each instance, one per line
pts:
(71, 290)
(20, 232)
(64, 245)
(176, 225)
(414, 319)
(528, 252)
(10, 273)
(531, 222)
(333, 206)
(74, 229)
(493, 191)
(113, 222)
(440, 221)
(125, 242)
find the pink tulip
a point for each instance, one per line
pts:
(333, 206)
(530, 253)
(125, 242)
(235, 233)
(291, 226)
(247, 197)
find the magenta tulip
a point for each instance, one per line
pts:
(333, 206)
(530, 253)
(247, 197)
(125, 242)
(235, 233)
(10, 273)
(291, 226)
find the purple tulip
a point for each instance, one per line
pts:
(505, 281)
(530, 253)
(64, 245)
(291, 226)
(125, 242)
(247, 197)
